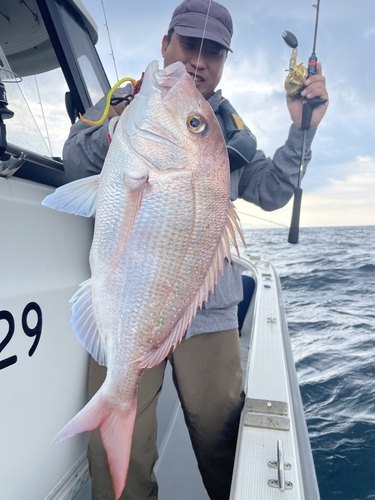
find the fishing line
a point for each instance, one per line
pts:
(43, 115)
(201, 47)
(31, 112)
(261, 218)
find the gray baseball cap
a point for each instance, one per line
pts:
(191, 17)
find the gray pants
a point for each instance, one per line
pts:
(208, 377)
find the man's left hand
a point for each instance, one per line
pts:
(314, 86)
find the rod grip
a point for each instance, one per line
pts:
(294, 225)
(306, 115)
(308, 107)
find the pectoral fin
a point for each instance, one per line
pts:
(78, 197)
(135, 188)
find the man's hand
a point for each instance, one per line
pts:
(118, 109)
(314, 86)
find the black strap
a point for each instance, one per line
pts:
(241, 143)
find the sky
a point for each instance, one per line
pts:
(339, 186)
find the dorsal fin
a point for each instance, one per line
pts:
(155, 356)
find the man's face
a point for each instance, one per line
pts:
(208, 69)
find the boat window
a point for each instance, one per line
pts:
(40, 123)
(85, 52)
(38, 97)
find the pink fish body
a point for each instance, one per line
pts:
(163, 224)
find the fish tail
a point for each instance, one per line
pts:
(117, 432)
(116, 428)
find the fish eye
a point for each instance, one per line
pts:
(196, 123)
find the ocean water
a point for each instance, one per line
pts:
(328, 282)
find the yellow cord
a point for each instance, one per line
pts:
(108, 102)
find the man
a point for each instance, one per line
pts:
(206, 365)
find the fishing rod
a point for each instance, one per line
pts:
(294, 84)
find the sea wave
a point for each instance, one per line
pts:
(329, 294)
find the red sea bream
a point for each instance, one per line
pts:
(163, 221)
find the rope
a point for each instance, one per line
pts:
(108, 101)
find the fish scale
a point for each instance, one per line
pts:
(162, 230)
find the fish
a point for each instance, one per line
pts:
(164, 224)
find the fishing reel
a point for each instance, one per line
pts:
(297, 72)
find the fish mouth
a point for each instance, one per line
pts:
(163, 82)
(165, 79)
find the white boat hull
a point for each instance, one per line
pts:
(44, 257)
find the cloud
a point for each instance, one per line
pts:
(339, 185)
(348, 201)
(255, 88)
(343, 202)
(369, 32)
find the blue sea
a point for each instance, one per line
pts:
(328, 282)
